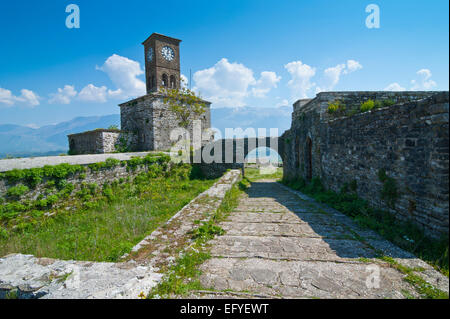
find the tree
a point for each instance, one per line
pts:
(184, 103)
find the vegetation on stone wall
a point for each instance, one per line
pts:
(389, 192)
(406, 235)
(184, 103)
(98, 222)
(337, 108)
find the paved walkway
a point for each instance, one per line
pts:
(280, 243)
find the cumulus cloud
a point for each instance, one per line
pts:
(91, 93)
(352, 66)
(424, 82)
(63, 96)
(333, 74)
(394, 87)
(124, 73)
(224, 84)
(301, 74)
(184, 81)
(267, 81)
(229, 84)
(27, 98)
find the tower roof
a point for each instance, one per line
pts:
(161, 37)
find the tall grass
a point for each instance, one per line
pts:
(109, 223)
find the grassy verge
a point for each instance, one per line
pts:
(403, 234)
(424, 288)
(183, 276)
(254, 174)
(103, 222)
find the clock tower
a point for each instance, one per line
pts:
(162, 62)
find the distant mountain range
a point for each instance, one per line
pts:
(22, 141)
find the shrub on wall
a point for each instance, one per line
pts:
(336, 107)
(17, 191)
(367, 105)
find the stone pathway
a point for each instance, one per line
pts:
(280, 243)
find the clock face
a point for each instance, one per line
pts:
(168, 53)
(150, 54)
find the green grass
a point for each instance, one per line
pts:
(254, 174)
(406, 235)
(425, 289)
(183, 276)
(107, 221)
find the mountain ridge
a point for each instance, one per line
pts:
(23, 141)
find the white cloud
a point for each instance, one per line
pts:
(224, 84)
(124, 73)
(184, 81)
(301, 74)
(27, 97)
(425, 82)
(333, 74)
(63, 96)
(6, 97)
(352, 66)
(282, 103)
(266, 82)
(394, 87)
(91, 93)
(422, 83)
(32, 125)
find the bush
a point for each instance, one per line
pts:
(336, 107)
(367, 105)
(17, 191)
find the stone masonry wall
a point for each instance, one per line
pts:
(408, 140)
(93, 142)
(151, 120)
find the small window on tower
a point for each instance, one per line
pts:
(153, 81)
(164, 80)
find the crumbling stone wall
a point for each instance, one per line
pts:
(409, 141)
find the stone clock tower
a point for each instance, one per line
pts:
(147, 121)
(162, 62)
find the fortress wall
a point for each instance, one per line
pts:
(409, 141)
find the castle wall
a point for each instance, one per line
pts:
(408, 140)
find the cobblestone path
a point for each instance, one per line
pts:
(280, 243)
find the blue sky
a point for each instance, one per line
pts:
(259, 53)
